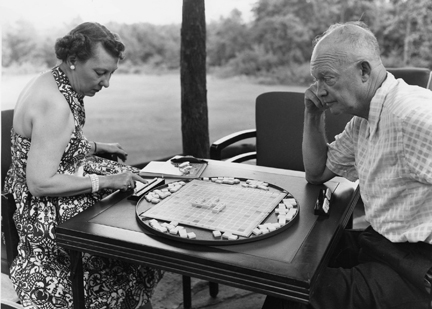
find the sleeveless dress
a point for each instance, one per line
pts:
(40, 273)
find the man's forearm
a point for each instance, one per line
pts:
(314, 146)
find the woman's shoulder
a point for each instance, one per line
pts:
(45, 82)
(41, 91)
(40, 96)
(40, 100)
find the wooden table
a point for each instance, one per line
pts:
(286, 265)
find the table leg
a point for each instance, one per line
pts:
(187, 292)
(77, 279)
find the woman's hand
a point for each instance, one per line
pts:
(114, 148)
(124, 181)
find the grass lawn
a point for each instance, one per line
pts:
(142, 112)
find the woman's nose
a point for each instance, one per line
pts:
(105, 81)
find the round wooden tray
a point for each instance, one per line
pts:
(205, 236)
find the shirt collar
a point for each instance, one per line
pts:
(377, 102)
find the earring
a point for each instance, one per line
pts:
(72, 67)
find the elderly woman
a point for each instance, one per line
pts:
(54, 176)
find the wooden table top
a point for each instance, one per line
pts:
(285, 265)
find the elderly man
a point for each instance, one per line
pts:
(387, 146)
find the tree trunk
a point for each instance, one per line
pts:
(194, 112)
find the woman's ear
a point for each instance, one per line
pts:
(71, 60)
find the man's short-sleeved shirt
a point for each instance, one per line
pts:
(391, 156)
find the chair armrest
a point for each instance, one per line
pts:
(242, 157)
(217, 147)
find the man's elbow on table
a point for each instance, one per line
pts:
(314, 180)
(318, 177)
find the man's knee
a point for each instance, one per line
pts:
(368, 285)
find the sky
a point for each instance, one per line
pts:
(48, 13)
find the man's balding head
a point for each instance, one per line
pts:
(352, 41)
(347, 68)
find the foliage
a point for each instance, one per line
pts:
(274, 47)
(226, 39)
(408, 30)
(19, 44)
(155, 46)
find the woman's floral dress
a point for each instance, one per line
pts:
(40, 273)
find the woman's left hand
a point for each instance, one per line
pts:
(114, 148)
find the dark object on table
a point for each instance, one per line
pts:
(322, 205)
(190, 159)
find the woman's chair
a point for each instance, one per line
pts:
(9, 248)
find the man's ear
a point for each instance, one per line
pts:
(366, 70)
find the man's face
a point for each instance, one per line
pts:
(338, 82)
(90, 76)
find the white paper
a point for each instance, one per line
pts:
(161, 168)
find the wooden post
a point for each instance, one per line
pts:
(194, 111)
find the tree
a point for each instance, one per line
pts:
(227, 38)
(408, 32)
(285, 37)
(194, 111)
(19, 43)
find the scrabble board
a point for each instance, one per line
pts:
(211, 208)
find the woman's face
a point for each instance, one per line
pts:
(90, 76)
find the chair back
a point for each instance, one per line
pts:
(8, 206)
(413, 76)
(6, 157)
(279, 129)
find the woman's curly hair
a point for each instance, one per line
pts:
(80, 42)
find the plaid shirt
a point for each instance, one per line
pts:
(391, 156)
